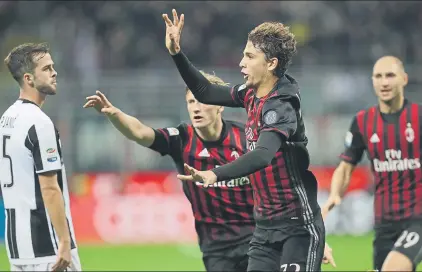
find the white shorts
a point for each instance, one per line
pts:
(74, 266)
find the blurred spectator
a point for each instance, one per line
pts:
(131, 34)
(118, 47)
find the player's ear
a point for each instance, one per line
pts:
(405, 79)
(220, 109)
(272, 64)
(28, 78)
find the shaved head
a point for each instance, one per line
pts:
(389, 78)
(389, 61)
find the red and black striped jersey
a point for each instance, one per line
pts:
(285, 190)
(392, 143)
(223, 212)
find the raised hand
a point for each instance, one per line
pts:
(173, 32)
(100, 102)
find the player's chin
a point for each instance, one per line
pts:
(200, 125)
(386, 98)
(248, 83)
(51, 92)
(48, 90)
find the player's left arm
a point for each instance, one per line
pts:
(203, 90)
(279, 122)
(43, 143)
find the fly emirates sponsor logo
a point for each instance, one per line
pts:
(237, 182)
(395, 162)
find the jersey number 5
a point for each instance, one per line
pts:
(5, 156)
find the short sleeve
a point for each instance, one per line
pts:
(42, 142)
(238, 93)
(354, 144)
(169, 140)
(279, 115)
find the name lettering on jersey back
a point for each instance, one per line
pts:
(395, 162)
(7, 122)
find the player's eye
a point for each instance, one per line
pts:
(248, 55)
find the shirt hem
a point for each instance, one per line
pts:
(37, 260)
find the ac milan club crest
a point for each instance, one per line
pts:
(410, 134)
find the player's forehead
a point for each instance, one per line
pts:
(250, 48)
(43, 60)
(387, 65)
(189, 95)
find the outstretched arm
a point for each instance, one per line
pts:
(166, 141)
(128, 125)
(273, 134)
(355, 146)
(268, 144)
(203, 90)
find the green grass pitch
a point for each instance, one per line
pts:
(351, 254)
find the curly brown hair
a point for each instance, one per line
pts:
(276, 41)
(23, 59)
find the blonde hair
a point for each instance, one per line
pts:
(213, 79)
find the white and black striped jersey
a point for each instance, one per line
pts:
(29, 146)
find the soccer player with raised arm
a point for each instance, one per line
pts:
(289, 232)
(223, 213)
(39, 228)
(390, 132)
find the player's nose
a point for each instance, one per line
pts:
(385, 81)
(242, 63)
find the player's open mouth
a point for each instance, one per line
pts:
(197, 118)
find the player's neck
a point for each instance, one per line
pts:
(392, 106)
(212, 132)
(266, 86)
(33, 96)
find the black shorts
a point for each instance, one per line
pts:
(291, 248)
(404, 237)
(233, 258)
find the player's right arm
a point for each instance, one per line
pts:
(128, 125)
(340, 180)
(203, 90)
(42, 142)
(166, 141)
